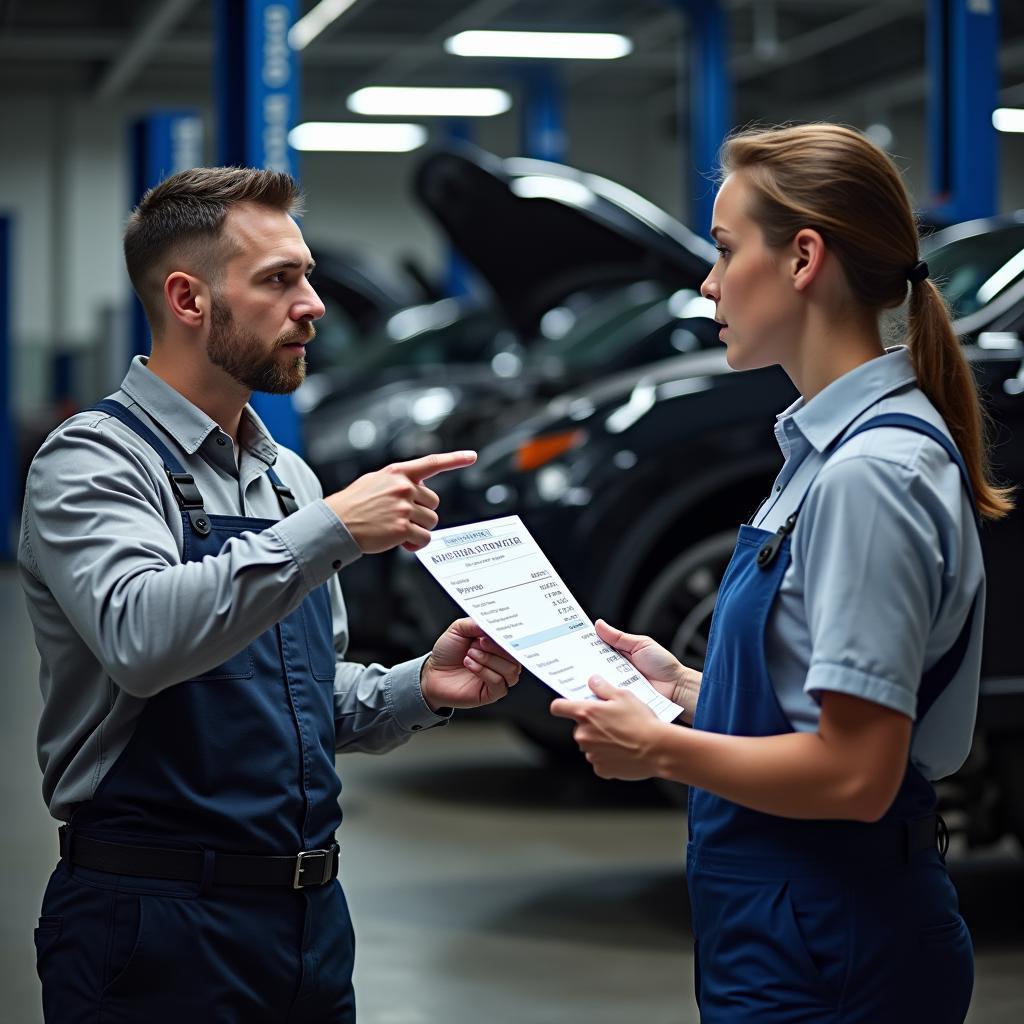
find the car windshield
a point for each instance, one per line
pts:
(975, 270)
(604, 329)
(424, 335)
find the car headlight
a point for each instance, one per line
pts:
(375, 423)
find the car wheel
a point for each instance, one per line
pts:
(677, 607)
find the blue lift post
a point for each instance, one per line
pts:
(257, 88)
(8, 435)
(705, 104)
(963, 71)
(161, 144)
(543, 124)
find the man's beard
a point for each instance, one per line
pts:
(244, 357)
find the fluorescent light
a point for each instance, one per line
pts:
(547, 45)
(1008, 119)
(306, 29)
(357, 136)
(416, 102)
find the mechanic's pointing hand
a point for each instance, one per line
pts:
(392, 506)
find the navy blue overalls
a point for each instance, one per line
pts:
(815, 921)
(234, 767)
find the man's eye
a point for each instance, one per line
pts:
(276, 278)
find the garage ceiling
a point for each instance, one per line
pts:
(855, 58)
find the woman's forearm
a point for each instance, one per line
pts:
(686, 693)
(795, 775)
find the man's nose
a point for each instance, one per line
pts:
(310, 306)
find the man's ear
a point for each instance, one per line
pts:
(187, 298)
(806, 257)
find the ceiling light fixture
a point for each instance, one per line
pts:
(308, 27)
(1008, 119)
(356, 137)
(381, 100)
(541, 45)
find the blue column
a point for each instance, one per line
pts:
(160, 144)
(257, 83)
(963, 68)
(8, 434)
(705, 104)
(543, 114)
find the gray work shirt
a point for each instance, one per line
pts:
(118, 616)
(886, 561)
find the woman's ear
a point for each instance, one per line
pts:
(807, 256)
(187, 299)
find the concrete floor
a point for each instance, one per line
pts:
(484, 885)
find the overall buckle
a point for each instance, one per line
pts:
(309, 871)
(768, 552)
(190, 501)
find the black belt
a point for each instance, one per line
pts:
(300, 871)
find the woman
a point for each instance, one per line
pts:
(844, 655)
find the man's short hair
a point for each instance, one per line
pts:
(179, 224)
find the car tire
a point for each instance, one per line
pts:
(676, 610)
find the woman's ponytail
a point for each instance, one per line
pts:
(833, 179)
(945, 376)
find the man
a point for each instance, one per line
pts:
(181, 575)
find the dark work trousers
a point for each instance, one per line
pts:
(239, 760)
(814, 922)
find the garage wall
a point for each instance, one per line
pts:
(64, 176)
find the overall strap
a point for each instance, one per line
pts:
(770, 549)
(285, 498)
(915, 423)
(189, 499)
(130, 420)
(182, 484)
(934, 681)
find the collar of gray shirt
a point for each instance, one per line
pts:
(823, 419)
(187, 423)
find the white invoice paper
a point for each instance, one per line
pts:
(498, 574)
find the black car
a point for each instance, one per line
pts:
(586, 277)
(635, 484)
(359, 297)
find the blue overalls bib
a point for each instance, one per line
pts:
(237, 761)
(815, 921)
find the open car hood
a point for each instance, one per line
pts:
(538, 231)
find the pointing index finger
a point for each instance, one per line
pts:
(423, 468)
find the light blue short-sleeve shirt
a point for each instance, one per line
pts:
(886, 561)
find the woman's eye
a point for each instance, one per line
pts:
(723, 252)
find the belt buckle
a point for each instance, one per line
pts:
(301, 867)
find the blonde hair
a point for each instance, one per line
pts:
(832, 179)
